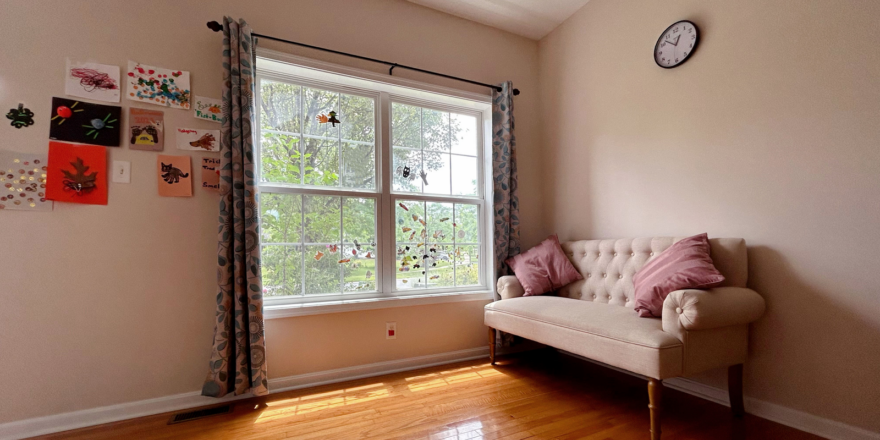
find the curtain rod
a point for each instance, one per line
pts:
(217, 27)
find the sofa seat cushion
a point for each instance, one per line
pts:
(606, 333)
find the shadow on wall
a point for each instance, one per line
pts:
(808, 341)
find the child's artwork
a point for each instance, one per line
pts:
(174, 176)
(155, 85)
(85, 123)
(211, 174)
(209, 109)
(198, 139)
(92, 81)
(23, 181)
(146, 129)
(77, 174)
(20, 117)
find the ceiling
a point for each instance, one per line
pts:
(530, 18)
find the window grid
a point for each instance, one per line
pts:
(377, 196)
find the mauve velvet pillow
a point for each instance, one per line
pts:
(684, 265)
(543, 268)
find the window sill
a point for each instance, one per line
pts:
(318, 308)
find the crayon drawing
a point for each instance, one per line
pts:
(92, 81)
(155, 85)
(198, 140)
(209, 109)
(211, 174)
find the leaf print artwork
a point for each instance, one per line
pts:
(319, 255)
(76, 174)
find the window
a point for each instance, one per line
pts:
(389, 201)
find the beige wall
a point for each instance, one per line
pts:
(770, 132)
(102, 305)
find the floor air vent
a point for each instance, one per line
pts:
(200, 414)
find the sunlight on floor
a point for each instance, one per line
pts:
(444, 378)
(465, 431)
(365, 393)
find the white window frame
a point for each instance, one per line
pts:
(277, 66)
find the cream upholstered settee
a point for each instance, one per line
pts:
(594, 317)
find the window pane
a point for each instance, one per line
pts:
(405, 126)
(280, 158)
(281, 218)
(436, 179)
(357, 116)
(282, 270)
(439, 223)
(435, 130)
(467, 265)
(464, 175)
(464, 134)
(360, 272)
(413, 160)
(317, 102)
(280, 106)
(321, 162)
(467, 224)
(409, 216)
(411, 234)
(358, 166)
(322, 271)
(322, 219)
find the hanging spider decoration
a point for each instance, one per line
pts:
(97, 124)
(406, 172)
(20, 117)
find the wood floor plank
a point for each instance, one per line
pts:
(537, 395)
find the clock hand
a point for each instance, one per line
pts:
(674, 44)
(676, 40)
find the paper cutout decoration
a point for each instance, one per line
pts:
(77, 174)
(85, 123)
(211, 174)
(20, 117)
(330, 117)
(92, 81)
(155, 85)
(175, 176)
(198, 140)
(209, 109)
(146, 129)
(23, 181)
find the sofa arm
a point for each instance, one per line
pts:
(713, 308)
(510, 287)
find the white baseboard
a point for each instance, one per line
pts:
(113, 413)
(806, 422)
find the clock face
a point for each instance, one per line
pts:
(676, 44)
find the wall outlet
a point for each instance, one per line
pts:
(121, 171)
(390, 330)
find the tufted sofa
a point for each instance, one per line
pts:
(700, 329)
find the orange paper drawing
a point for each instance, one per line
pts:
(77, 174)
(175, 176)
(211, 173)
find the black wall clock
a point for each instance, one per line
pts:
(676, 44)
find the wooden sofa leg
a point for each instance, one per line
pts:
(655, 391)
(735, 389)
(492, 345)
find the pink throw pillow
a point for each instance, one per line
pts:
(684, 265)
(543, 268)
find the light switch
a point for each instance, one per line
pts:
(121, 171)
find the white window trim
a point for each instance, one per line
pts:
(285, 67)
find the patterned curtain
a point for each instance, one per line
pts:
(238, 360)
(506, 203)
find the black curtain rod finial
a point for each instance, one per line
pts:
(214, 26)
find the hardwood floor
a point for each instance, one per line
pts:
(539, 395)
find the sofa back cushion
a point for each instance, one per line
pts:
(608, 266)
